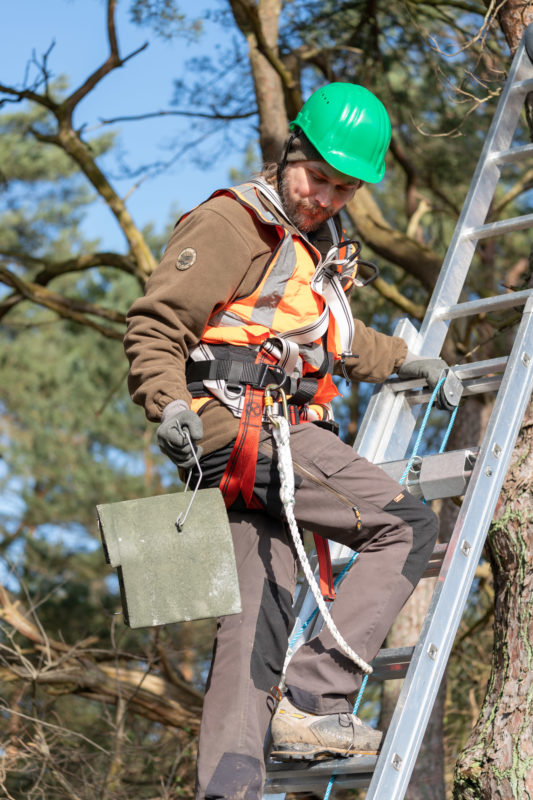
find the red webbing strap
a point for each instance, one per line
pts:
(239, 475)
(324, 565)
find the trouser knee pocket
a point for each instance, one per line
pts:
(424, 525)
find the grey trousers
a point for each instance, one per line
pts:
(335, 489)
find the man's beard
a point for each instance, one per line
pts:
(305, 216)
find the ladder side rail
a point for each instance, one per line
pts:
(460, 251)
(421, 684)
(389, 420)
(385, 413)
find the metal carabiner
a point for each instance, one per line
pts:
(269, 402)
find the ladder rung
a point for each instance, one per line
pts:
(500, 227)
(435, 561)
(523, 86)
(278, 786)
(301, 776)
(484, 304)
(479, 386)
(513, 154)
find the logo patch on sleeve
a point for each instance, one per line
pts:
(186, 258)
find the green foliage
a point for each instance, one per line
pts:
(164, 18)
(43, 195)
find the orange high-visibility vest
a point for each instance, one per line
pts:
(282, 302)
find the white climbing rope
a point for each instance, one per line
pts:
(282, 438)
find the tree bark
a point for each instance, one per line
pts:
(514, 16)
(497, 762)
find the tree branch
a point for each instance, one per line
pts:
(146, 694)
(247, 16)
(68, 308)
(114, 60)
(418, 260)
(195, 114)
(392, 294)
(52, 269)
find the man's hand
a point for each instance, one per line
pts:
(174, 442)
(431, 369)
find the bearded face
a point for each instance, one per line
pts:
(311, 193)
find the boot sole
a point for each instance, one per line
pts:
(309, 752)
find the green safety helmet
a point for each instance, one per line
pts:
(349, 127)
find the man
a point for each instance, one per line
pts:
(252, 292)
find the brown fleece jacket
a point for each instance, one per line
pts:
(218, 252)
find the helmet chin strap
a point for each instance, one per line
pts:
(283, 161)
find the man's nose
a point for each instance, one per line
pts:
(324, 195)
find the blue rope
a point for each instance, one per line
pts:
(421, 431)
(333, 778)
(448, 430)
(313, 614)
(360, 695)
(327, 793)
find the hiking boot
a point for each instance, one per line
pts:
(299, 735)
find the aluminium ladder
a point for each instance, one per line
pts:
(478, 473)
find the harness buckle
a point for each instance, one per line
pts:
(234, 390)
(278, 372)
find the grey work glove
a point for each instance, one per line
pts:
(431, 369)
(173, 441)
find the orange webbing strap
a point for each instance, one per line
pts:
(324, 565)
(239, 475)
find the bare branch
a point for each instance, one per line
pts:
(178, 113)
(68, 308)
(51, 725)
(393, 294)
(28, 94)
(417, 259)
(114, 60)
(523, 185)
(52, 269)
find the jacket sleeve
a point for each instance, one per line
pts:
(205, 261)
(376, 355)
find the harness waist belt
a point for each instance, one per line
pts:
(238, 373)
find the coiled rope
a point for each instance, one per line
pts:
(286, 492)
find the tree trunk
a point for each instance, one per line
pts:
(259, 23)
(497, 762)
(514, 16)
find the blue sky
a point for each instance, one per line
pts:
(144, 84)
